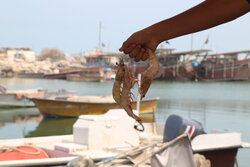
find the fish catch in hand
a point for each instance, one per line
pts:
(126, 99)
(149, 74)
(125, 81)
(116, 91)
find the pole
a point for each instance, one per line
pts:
(100, 33)
(138, 94)
(191, 42)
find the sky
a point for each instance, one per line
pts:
(73, 25)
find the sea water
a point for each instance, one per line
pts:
(217, 105)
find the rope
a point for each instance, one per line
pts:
(132, 151)
(16, 148)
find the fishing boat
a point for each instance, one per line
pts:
(61, 75)
(86, 105)
(88, 74)
(20, 98)
(173, 65)
(92, 74)
(111, 139)
(229, 66)
(31, 75)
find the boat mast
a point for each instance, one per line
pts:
(100, 34)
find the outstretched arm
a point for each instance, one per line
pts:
(207, 14)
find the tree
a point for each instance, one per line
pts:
(53, 54)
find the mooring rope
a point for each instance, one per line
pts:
(16, 148)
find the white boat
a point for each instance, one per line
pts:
(111, 137)
(20, 98)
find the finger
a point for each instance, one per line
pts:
(135, 51)
(125, 45)
(129, 49)
(139, 56)
(145, 56)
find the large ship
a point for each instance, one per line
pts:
(230, 66)
(174, 65)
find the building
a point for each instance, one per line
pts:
(10, 54)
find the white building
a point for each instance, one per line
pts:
(10, 54)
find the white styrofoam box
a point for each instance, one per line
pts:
(70, 147)
(113, 129)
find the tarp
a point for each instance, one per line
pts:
(176, 154)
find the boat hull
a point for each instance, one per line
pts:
(64, 108)
(77, 77)
(31, 75)
(221, 157)
(11, 100)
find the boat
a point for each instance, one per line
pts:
(90, 75)
(20, 98)
(173, 65)
(60, 75)
(120, 143)
(64, 148)
(31, 75)
(86, 105)
(229, 66)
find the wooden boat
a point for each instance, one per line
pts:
(173, 65)
(80, 77)
(88, 74)
(31, 75)
(86, 105)
(61, 75)
(225, 67)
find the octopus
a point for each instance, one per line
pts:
(124, 82)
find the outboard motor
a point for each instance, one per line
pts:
(176, 125)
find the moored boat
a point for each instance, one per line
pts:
(111, 139)
(31, 75)
(61, 75)
(173, 65)
(81, 77)
(86, 105)
(20, 98)
(230, 66)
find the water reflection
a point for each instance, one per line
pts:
(53, 126)
(15, 123)
(18, 114)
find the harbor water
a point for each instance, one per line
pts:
(217, 105)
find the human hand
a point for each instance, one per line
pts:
(136, 45)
